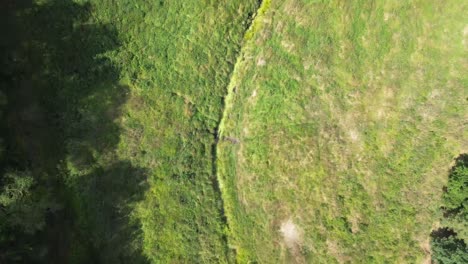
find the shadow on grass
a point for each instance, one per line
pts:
(105, 198)
(63, 101)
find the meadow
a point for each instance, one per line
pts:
(347, 116)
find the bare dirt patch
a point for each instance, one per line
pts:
(291, 234)
(426, 247)
(261, 62)
(292, 237)
(254, 93)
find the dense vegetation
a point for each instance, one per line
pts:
(449, 242)
(27, 196)
(110, 115)
(325, 126)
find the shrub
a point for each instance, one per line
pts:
(449, 242)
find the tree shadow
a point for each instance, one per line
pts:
(443, 232)
(64, 101)
(462, 159)
(106, 198)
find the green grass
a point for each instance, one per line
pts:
(175, 58)
(348, 116)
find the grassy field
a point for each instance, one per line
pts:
(175, 60)
(183, 131)
(341, 123)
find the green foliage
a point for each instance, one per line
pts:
(23, 210)
(449, 250)
(455, 199)
(23, 206)
(456, 194)
(49, 72)
(16, 186)
(449, 242)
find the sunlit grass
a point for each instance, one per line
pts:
(348, 116)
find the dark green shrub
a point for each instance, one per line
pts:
(456, 195)
(449, 242)
(447, 248)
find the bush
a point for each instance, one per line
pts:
(447, 249)
(456, 195)
(449, 242)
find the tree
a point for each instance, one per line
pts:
(22, 214)
(449, 242)
(456, 196)
(449, 250)
(20, 209)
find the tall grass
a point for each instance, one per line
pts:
(176, 59)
